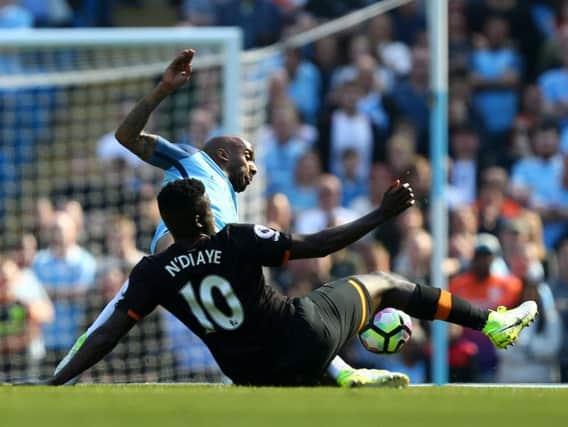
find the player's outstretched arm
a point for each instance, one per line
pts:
(396, 199)
(130, 132)
(94, 348)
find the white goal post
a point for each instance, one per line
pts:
(228, 39)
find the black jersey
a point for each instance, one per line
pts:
(217, 289)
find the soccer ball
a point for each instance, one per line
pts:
(388, 331)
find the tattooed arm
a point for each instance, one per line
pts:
(130, 132)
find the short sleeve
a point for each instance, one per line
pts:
(139, 298)
(166, 154)
(260, 244)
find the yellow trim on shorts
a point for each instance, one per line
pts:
(361, 293)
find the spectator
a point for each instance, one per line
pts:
(461, 111)
(279, 212)
(198, 12)
(405, 225)
(13, 15)
(534, 358)
(463, 231)
(304, 84)
(376, 106)
(380, 179)
(464, 168)
(495, 74)
(67, 271)
(527, 120)
(201, 127)
(393, 54)
(492, 205)
(24, 308)
(460, 46)
(487, 290)
(521, 20)
(326, 60)
(304, 193)
(353, 184)
(554, 86)
(329, 211)
(49, 13)
(400, 154)
(278, 83)
(413, 261)
(109, 149)
(24, 251)
(348, 128)
(121, 245)
(537, 182)
(409, 22)
(41, 220)
(411, 96)
(358, 46)
(283, 144)
(374, 256)
(260, 20)
(419, 175)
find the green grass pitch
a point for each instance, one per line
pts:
(187, 405)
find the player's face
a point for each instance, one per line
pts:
(242, 167)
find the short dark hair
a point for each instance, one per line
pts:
(180, 202)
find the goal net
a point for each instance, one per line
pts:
(62, 95)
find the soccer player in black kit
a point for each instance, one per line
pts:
(214, 284)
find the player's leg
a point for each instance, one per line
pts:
(101, 318)
(343, 310)
(428, 303)
(162, 239)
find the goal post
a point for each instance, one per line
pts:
(61, 92)
(228, 39)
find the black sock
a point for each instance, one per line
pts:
(431, 303)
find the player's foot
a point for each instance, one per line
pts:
(503, 326)
(372, 378)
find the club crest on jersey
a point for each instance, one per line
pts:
(266, 233)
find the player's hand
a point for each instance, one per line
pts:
(179, 71)
(397, 199)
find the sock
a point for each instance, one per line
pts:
(431, 303)
(336, 366)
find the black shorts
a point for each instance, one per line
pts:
(323, 322)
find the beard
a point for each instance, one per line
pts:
(240, 183)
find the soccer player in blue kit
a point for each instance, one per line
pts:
(225, 166)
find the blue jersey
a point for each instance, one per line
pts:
(192, 163)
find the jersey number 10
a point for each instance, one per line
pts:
(207, 305)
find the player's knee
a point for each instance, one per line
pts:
(393, 280)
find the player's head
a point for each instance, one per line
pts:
(185, 209)
(487, 247)
(235, 156)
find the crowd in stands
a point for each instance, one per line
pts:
(347, 115)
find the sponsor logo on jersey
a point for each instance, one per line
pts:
(266, 233)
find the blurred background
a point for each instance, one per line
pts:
(335, 117)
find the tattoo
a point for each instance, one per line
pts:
(130, 132)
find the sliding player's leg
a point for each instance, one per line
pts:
(428, 303)
(101, 318)
(347, 305)
(344, 308)
(162, 239)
